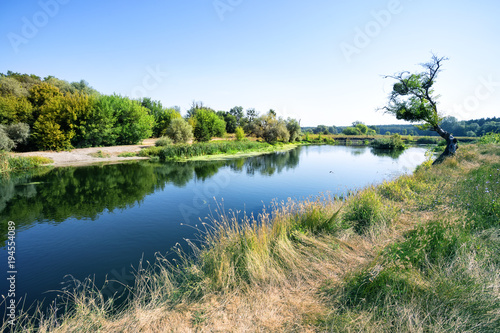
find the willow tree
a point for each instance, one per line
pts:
(413, 99)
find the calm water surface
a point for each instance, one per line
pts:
(100, 221)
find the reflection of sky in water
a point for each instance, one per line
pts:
(112, 240)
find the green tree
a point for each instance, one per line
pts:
(15, 109)
(237, 112)
(179, 131)
(83, 87)
(271, 128)
(293, 127)
(361, 127)
(78, 109)
(207, 125)
(12, 135)
(413, 99)
(162, 116)
(51, 129)
(62, 85)
(43, 93)
(100, 127)
(134, 123)
(320, 129)
(351, 131)
(9, 86)
(27, 81)
(230, 120)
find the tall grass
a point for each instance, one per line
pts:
(443, 275)
(209, 148)
(9, 162)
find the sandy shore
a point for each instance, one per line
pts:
(83, 156)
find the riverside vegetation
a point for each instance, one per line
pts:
(417, 254)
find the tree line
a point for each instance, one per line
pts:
(54, 114)
(463, 128)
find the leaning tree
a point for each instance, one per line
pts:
(413, 99)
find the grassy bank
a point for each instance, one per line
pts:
(211, 150)
(10, 163)
(418, 254)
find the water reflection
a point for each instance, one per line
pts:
(55, 195)
(392, 153)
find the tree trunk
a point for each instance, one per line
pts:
(451, 145)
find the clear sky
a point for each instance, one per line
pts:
(320, 61)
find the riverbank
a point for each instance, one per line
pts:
(87, 156)
(144, 151)
(420, 253)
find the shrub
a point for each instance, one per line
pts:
(240, 134)
(18, 133)
(351, 131)
(6, 143)
(490, 138)
(364, 210)
(179, 131)
(394, 143)
(163, 141)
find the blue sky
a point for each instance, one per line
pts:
(318, 61)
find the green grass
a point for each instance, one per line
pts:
(127, 154)
(189, 151)
(10, 163)
(366, 210)
(442, 276)
(100, 154)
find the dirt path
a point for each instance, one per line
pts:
(83, 156)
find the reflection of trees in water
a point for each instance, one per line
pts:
(270, 164)
(392, 153)
(355, 151)
(55, 195)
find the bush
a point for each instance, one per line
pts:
(179, 131)
(489, 138)
(240, 134)
(394, 143)
(6, 143)
(18, 133)
(364, 210)
(351, 131)
(163, 141)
